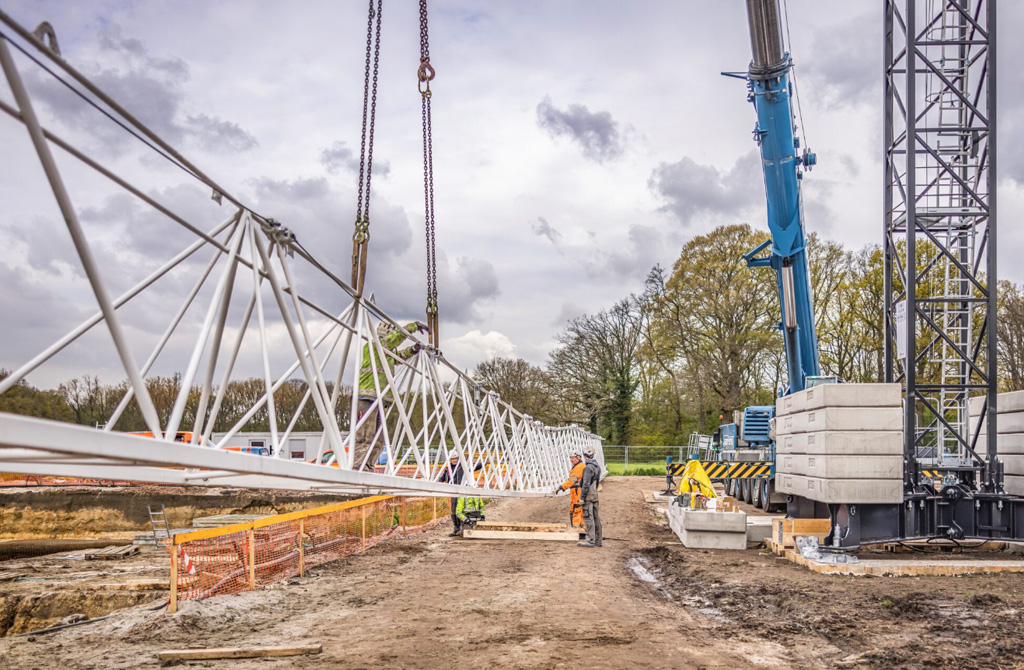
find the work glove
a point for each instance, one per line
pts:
(557, 490)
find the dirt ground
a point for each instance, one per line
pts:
(429, 601)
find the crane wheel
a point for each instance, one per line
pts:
(755, 493)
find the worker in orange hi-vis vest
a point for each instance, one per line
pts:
(572, 484)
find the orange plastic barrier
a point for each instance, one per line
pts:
(245, 556)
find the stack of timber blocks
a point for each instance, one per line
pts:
(841, 443)
(703, 529)
(1009, 437)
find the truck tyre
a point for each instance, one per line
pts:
(755, 487)
(745, 491)
(767, 492)
(730, 487)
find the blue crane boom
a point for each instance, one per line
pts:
(768, 85)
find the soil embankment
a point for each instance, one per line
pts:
(96, 512)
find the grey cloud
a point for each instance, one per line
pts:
(567, 312)
(597, 133)
(149, 87)
(214, 133)
(339, 156)
(544, 229)
(691, 189)
(843, 64)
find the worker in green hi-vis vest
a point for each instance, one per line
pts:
(391, 338)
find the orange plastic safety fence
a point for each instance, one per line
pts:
(247, 556)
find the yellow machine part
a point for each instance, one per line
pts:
(694, 472)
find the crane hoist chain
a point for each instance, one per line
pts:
(361, 236)
(425, 74)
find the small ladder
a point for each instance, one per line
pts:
(158, 522)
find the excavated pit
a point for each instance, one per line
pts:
(44, 532)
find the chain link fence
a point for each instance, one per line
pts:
(630, 460)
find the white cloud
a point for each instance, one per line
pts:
(470, 349)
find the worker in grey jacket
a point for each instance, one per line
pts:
(588, 495)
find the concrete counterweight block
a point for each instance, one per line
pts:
(840, 395)
(701, 529)
(842, 467)
(843, 443)
(840, 418)
(853, 491)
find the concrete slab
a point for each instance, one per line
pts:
(698, 539)
(696, 529)
(1013, 465)
(840, 395)
(1006, 443)
(842, 467)
(698, 519)
(1005, 402)
(841, 418)
(861, 491)
(843, 443)
(759, 528)
(1014, 485)
(1010, 422)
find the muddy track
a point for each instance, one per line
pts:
(642, 600)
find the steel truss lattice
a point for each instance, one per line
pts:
(940, 233)
(425, 410)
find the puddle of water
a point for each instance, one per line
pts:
(639, 568)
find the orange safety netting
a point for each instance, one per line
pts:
(250, 555)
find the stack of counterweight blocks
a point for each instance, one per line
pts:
(841, 443)
(1009, 437)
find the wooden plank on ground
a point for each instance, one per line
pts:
(477, 534)
(238, 652)
(112, 553)
(522, 526)
(10, 576)
(908, 568)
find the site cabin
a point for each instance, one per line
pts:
(300, 446)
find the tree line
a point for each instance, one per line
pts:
(87, 401)
(699, 342)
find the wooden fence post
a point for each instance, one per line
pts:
(362, 508)
(433, 502)
(252, 559)
(302, 552)
(173, 606)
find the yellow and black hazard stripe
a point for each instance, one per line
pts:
(728, 469)
(931, 474)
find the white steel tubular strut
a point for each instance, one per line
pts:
(403, 403)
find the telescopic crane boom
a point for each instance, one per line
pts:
(768, 85)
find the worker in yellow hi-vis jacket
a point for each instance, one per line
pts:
(572, 484)
(391, 339)
(695, 481)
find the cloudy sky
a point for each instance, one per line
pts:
(576, 145)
